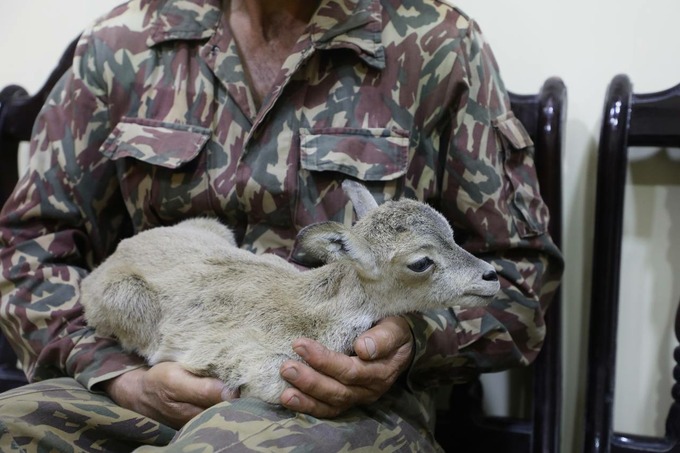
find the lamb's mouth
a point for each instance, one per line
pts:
(484, 290)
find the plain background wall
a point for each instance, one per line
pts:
(586, 43)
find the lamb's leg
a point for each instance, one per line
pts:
(244, 365)
(264, 380)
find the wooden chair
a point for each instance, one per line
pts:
(629, 119)
(18, 111)
(468, 429)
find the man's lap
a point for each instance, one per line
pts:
(61, 415)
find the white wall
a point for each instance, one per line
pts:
(34, 34)
(586, 43)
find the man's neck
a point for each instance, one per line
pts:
(271, 18)
(266, 32)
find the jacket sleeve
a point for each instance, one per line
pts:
(489, 192)
(64, 215)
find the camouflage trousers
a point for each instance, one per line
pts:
(59, 415)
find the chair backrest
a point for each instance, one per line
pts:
(18, 111)
(467, 428)
(629, 119)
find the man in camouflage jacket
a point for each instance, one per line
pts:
(158, 121)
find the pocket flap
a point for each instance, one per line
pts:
(513, 131)
(366, 154)
(166, 144)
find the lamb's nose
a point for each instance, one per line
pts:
(490, 276)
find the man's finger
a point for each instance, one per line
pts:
(319, 386)
(297, 401)
(339, 366)
(383, 339)
(185, 387)
(206, 392)
(345, 369)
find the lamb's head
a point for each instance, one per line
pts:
(404, 250)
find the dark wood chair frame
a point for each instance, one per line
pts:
(468, 429)
(18, 111)
(628, 119)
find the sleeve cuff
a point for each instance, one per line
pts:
(97, 359)
(440, 338)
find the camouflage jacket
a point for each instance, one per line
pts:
(156, 123)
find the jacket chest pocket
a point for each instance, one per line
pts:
(377, 157)
(161, 169)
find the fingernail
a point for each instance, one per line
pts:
(370, 347)
(294, 401)
(290, 373)
(300, 350)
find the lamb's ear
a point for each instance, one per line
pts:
(361, 197)
(332, 241)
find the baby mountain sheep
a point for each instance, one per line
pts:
(186, 293)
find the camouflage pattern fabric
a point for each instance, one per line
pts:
(156, 123)
(61, 415)
(250, 425)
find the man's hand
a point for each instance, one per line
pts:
(335, 382)
(167, 393)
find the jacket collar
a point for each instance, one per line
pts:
(353, 24)
(185, 20)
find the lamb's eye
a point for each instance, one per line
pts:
(421, 265)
